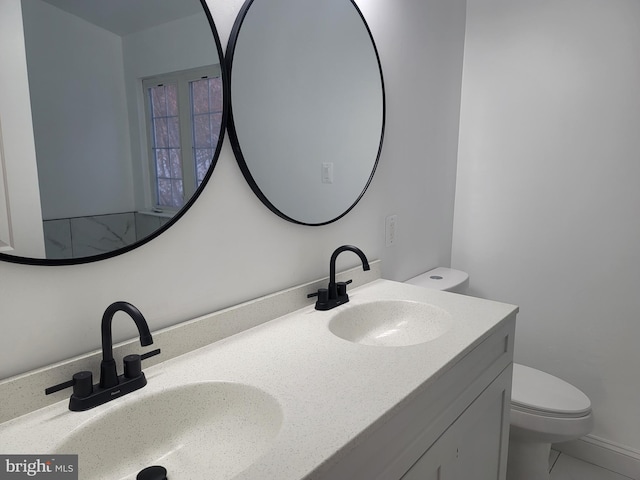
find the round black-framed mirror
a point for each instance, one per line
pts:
(307, 105)
(168, 189)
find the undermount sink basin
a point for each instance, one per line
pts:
(390, 323)
(208, 430)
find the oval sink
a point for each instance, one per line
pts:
(390, 323)
(203, 430)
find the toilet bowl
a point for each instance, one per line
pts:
(544, 408)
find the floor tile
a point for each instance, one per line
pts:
(569, 468)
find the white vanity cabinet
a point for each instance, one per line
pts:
(471, 448)
(331, 409)
(455, 428)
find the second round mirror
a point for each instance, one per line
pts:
(307, 105)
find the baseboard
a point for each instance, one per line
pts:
(604, 453)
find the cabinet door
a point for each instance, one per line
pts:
(438, 463)
(483, 433)
(475, 445)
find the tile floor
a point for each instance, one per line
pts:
(564, 467)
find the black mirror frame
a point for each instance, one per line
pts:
(233, 137)
(103, 256)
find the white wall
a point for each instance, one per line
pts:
(229, 248)
(547, 198)
(79, 109)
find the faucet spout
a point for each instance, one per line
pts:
(108, 372)
(333, 288)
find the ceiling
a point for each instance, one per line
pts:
(123, 17)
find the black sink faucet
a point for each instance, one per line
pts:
(108, 372)
(86, 395)
(336, 293)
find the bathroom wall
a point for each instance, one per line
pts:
(229, 248)
(78, 100)
(547, 197)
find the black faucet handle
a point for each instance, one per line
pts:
(152, 353)
(342, 287)
(57, 388)
(82, 383)
(322, 294)
(323, 298)
(132, 366)
(133, 363)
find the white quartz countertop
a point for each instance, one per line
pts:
(332, 392)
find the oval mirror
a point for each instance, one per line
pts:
(307, 106)
(127, 107)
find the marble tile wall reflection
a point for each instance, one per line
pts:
(57, 238)
(147, 223)
(101, 234)
(93, 235)
(86, 236)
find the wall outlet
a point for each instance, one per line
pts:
(327, 172)
(390, 225)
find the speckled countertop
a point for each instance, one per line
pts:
(328, 392)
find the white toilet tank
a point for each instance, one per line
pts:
(441, 278)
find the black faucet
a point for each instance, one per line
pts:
(86, 395)
(108, 373)
(336, 293)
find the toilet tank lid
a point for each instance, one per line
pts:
(441, 278)
(540, 391)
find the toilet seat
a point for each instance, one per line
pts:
(539, 393)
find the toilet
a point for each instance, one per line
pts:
(544, 408)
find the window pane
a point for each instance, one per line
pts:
(215, 94)
(166, 144)
(200, 96)
(164, 192)
(178, 193)
(172, 100)
(203, 160)
(201, 131)
(160, 133)
(173, 127)
(206, 118)
(176, 163)
(158, 101)
(216, 122)
(163, 167)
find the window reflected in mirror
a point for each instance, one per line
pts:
(126, 116)
(181, 146)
